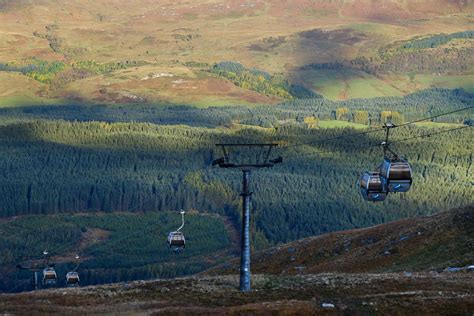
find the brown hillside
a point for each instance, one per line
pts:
(203, 31)
(349, 294)
(414, 244)
(276, 36)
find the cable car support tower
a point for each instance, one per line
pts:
(246, 157)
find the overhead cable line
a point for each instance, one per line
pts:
(431, 134)
(301, 155)
(378, 144)
(380, 129)
(436, 116)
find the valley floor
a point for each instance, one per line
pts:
(381, 294)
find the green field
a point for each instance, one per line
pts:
(348, 84)
(465, 81)
(19, 101)
(437, 124)
(351, 84)
(340, 124)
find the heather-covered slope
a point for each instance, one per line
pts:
(349, 294)
(428, 243)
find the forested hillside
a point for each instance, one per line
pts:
(79, 159)
(440, 53)
(70, 166)
(55, 167)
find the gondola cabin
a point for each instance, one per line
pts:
(72, 278)
(397, 174)
(372, 187)
(49, 277)
(176, 239)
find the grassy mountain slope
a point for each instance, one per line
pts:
(414, 244)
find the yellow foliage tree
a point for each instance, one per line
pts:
(361, 117)
(385, 116)
(342, 114)
(311, 121)
(397, 118)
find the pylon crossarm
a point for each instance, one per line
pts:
(242, 159)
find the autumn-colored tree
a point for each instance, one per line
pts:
(361, 117)
(385, 116)
(397, 118)
(342, 114)
(311, 121)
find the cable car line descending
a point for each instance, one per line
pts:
(20, 265)
(48, 274)
(153, 228)
(378, 144)
(431, 134)
(125, 237)
(393, 175)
